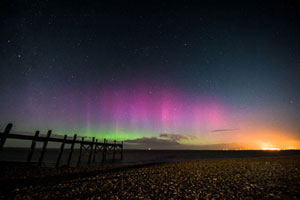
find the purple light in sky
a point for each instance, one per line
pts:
(163, 110)
(139, 108)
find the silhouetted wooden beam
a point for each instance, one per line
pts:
(104, 151)
(80, 152)
(122, 151)
(95, 150)
(43, 138)
(36, 135)
(91, 151)
(44, 148)
(61, 151)
(71, 150)
(5, 135)
(114, 150)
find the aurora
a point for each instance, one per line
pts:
(217, 76)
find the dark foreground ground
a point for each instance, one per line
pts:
(243, 178)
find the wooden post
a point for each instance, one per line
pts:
(32, 146)
(61, 151)
(104, 151)
(5, 135)
(71, 150)
(91, 151)
(95, 150)
(80, 152)
(44, 148)
(114, 150)
(122, 151)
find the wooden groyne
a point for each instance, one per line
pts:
(92, 148)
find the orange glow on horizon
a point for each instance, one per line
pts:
(247, 139)
(264, 139)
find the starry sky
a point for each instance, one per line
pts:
(155, 74)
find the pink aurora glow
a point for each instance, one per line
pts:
(140, 108)
(162, 110)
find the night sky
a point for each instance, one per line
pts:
(156, 74)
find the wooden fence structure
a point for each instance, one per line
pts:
(93, 147)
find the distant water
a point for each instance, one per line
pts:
(139, 156)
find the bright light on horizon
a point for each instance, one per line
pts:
(269, 147)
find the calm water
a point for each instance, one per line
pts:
(138, 156)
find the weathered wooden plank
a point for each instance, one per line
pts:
(122, 151)
(61, 151)
(104, 151)
(80, 152)
(95, 150)
(114, 150)
(43, 138)
(44, 148)
(91, 151)
(71, 150)
(29, 157)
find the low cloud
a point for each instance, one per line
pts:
(177, 137)
(156, 143)
(174, 137)
(163, 141)
(225, 130)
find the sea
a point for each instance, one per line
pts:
(19, 155)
